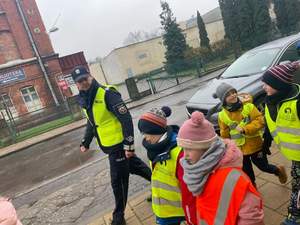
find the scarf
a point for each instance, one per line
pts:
(234, 107)
(276, 98)
(164, 146)
(196, 175)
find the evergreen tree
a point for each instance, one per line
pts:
(262, 22)
(245, 20)
(292, 10)
(232, 32)
(228, 10)
(204, 40)
(173, 40)
(287, 15)
(281, 16)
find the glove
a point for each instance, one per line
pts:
(266, 149)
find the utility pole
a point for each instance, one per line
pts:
(36, 51)
(104, 76)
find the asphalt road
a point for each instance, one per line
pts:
(41, 162)
(45, 161)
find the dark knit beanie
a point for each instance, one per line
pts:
(280, 77)
(154, 121)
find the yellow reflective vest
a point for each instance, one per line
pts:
(235, 135)
(108, 127)
(166, 194)
(286, 129)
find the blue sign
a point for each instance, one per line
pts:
(11, 76)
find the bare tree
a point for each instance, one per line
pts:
(140, 35)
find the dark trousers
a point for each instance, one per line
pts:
(260, 160)
(294, 207)
(120, 167)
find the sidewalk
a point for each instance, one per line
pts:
(275, 199)
(78, 124)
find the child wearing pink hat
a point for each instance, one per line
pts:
(213, 172)
(8, 215)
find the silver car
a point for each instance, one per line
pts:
(245, 75)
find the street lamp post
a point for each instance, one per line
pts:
(52, 30)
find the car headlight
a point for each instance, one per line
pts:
(188, 113)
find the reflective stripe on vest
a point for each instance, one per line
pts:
(108, 127)
(220, 201)
(161, 201)
(235, 134)
(286, 130)
(158, 184)
(166, 194)
(227, 191)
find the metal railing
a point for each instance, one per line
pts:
(15, 129)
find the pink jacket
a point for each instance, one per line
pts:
(250, 211)
(8, 215)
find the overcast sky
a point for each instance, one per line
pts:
(98, 26)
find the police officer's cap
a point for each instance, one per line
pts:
(79, 73)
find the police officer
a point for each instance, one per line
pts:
(110, 122)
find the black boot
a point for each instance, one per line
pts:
(119, 221)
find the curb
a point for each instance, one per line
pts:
(10, 149)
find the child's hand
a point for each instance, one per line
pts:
(83, 149)
(129, 154)
(239, 129)
(4, 199)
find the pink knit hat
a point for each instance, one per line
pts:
(196, 133)
(8, 215)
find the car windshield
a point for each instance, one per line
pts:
(251, 63)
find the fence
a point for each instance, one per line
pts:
(15, 129)
(162, 81)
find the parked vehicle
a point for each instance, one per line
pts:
(245, 75)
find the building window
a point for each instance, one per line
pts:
(31, 99)
(142, 56)
(6, 106)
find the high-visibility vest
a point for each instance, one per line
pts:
(166, 194)
(286, 129)
(222, 196)
(235, 135)
(108, 127)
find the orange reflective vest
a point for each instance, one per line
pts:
(223, 194)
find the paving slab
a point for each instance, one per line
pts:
(274, 195)
(272, 217)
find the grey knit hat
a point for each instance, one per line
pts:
(222, 90)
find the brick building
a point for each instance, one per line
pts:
(67, 64)
(27, 58)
